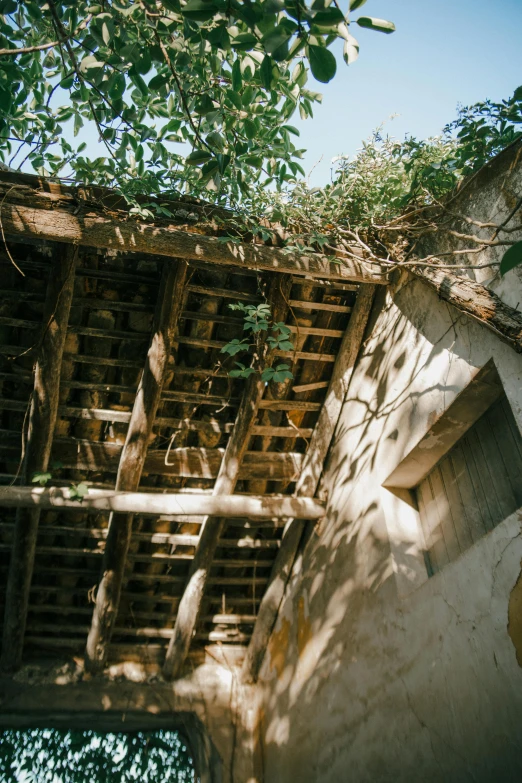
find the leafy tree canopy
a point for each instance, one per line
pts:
(52, 756)
(222, 77)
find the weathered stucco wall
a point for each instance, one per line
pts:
(375, 672)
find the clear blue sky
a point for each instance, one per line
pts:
(442, 53)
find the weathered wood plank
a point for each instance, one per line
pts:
(132, 462)
(42, 420)
(309, 480)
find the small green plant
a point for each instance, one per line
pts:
(78, 491)
(257, 322)
(277, 374)
(43, 477)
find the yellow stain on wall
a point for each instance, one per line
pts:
(515, 617)
(278, 647)
(304, 627)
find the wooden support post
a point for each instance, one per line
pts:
(42, 421)
(308, 481)
(190, 605)
(132, 461)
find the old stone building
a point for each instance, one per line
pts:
(319, 579)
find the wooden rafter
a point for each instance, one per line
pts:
(159, 503)
(38, 214)
(308, 481)
(132, 460)
(42, 421)
(190, 605)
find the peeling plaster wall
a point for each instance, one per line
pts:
(364, 680)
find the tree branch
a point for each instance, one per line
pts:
(42, 47)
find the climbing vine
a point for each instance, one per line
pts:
(391, 193)
(263, 334)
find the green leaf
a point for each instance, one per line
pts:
(5, 100)
(350, 49)
(251, 129)
(144, 62)
(204, 105)
(355, 4)
(243, 372)
(41, 478)
(90, 63)
(276, 38)
(68, 82)
(216, 141)
(8, 6)
(511, 258)
(200, 10)
(282, 373)
(106, 34)
(235, 346)
(322, 63)
(381, 25)
(197, 157)
(329, 17)
(244, 42)
(266, 72)
(237, 80)
(116, 86)
(158, 81)
(138, 81)
(278, 375)
(78, 491)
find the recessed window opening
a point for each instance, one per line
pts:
(473, 488)
(57, 756)
(458, 482)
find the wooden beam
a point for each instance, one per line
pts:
(42, 421)
(132, 461)
(190, 605)
(37, 214)
(308, 481)
(476, 301)
(190, 462)
(164, 504)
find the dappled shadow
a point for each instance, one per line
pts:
(359, 683)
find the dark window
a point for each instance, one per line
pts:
(473, 488)
(55, 756)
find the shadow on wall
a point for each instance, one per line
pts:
(359, 684)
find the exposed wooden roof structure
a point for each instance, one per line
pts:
(111, 373)
(200, 484)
